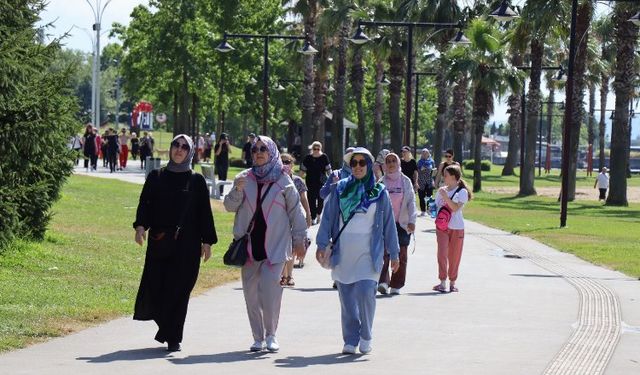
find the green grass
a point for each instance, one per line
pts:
(603, 235)
(493, 178)
(88, 268)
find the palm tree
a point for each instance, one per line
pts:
(603, 31)
(595, 69)
(484, 54)
(459, 113)
(626, 35)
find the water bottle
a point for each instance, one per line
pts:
(433, 209)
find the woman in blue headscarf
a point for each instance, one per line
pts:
(267, 193)
(174, 203)
(361, 208)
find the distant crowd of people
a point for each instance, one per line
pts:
(366, 212)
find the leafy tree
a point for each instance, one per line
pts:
(36, 117)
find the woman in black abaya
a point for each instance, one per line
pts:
(172, 197)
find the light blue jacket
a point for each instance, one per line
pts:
(384, 233)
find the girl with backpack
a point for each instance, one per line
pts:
(450, 200)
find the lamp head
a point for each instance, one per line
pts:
(224, 46)
(504, 13)
(307, 49)
(359, 37)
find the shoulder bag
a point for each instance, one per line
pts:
(238, 250)
(326, 261)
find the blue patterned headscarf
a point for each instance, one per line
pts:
(272, 170)
(358, 194)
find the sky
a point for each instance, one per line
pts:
(76, 17)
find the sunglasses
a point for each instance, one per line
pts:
(316, 149)
(448, 156)
(183, 146)
(354, 163)
(286, 162)
(256, 149)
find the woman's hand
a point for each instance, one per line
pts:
(395, 264)
(205, 251)
(320, 254)
(444, 192)
(140, 235)
(308, 220)
(411, 228)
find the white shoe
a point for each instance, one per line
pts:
(348, 349)
(365, 346)
(257, 346)
(394, 291)
(272, 344)
(383, 288)
(423, 214)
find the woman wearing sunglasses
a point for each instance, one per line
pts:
(174, 204)
(361, 209)
(448, 160)
(267, 206)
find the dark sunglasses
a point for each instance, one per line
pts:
(448, 156)
(353, 163)
(286, 162)
(183, 146)
(256, 149)
(316, 149)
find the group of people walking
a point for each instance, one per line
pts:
(365, 227)
(113, 147)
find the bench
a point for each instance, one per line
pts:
(212, 184)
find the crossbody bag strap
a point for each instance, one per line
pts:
(260, 197)
(335, 240)
(183, 216)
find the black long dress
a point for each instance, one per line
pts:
(167, 282)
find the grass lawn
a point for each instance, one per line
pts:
(88, 269)
(603, 235)
(493, 178)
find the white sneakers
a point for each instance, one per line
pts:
(348, 349)
(423, 214)
(383, 288)
(365, 346)
(258, 346)
(272, 344)
(394, 291)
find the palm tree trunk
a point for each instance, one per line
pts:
(357, 85)
(585, 11)
(309, 76)
(515, 106)
(337, 133)
(441, 119)
(591, 127)
(625, 37)
(527, 174)
(320, 94)
(482, 102)
(379, 108)
(550, 111)
(604, 92)
(459, 115)
(396, 72)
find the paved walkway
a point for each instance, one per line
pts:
(523, 308)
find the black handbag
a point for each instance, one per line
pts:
(163, 241)
(238, 250)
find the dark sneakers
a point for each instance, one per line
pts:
(173, 347)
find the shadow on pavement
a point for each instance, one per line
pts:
(314, 289)
(425, 294)
(128, 355)
(327, 359)
(229, 357)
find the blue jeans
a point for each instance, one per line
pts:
(358, 307)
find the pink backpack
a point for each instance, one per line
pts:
(444, 214)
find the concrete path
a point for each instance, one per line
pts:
(523, 308)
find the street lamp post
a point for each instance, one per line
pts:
(415, 118)
(307, 49)
(98, 12)
(360, 38)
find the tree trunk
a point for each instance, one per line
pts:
(176, 100)
(550, 112)
(337, 132)
(527, 174)
(309, 77)
(320, 94)
(183, 125)
(357, 85)
(441, 117)
(585, 11)
(482, 103)
(604, 92)
(459, 115)
(396, 72)
(591, 127)
(379, 108)
(515, 108)
(625, 37)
